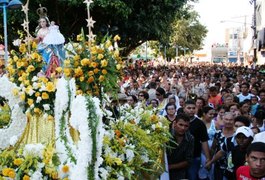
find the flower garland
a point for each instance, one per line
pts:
(78, 120)
(64, 142)
(11, 134)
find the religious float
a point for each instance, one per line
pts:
(61, 126)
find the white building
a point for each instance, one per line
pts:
(260, 26)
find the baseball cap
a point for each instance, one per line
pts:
(245, 130)
(260, 137)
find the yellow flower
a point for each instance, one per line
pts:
(35, 55)
(26, 82)
(37, 94)
(116, 38)
(28, 89)
(45, 95)
(78, 92)
(91, 73)
(50, 118)
(82, 78)
(12, 174)
(96, 70)
(104, 63)
(5, 171)
(104, 71)
(43, 79)
(34, 45)
(93, 50)
(108, 44)
(67, 62)
(37, 110)
(85, 62)
(67, 72)
(118, 161)
(22, 48)
(76, 57)
(22, 96)
(79, 37)
(94, 64)
(30, 68)
(118, 66)
(15, 91)
(116, 53)
(50, 87)
(65, 169)
(106, 140)
(19, 64)
(78, 72)
(59, 69)
(54, 175)
(90, 79)
(18, 161)
(100, 56)
(26, 177)
(101, 78)
(30, 102)
(15, 58)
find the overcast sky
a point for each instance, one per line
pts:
(212, 12)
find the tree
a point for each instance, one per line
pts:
(134, 20)
(188, 32)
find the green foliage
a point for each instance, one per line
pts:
(188, 32)
(133, 20)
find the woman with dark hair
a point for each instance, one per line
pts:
(171, 111)
(143, 96)
(132, 100)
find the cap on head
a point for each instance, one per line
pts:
(245, 130)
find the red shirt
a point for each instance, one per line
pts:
(243, 173)
(217, 100)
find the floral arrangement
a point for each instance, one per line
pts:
(34, 88)
(134, 144)
(32, 162)
(10, 133)
(95, 67)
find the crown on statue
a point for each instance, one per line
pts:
(42, 11)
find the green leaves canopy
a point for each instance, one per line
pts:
(134, 20)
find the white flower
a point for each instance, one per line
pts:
(38, 99)
(33, 150)
(9, 135)
(17, 42)
(31, 92)
(43, 87)
(103, 173)
(45, 116)
(36, 176)
(35, 78)
(13, 140)
(129, 154)
(46, 107)
(35, 85)
(145, 158)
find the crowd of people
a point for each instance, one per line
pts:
(215, 114)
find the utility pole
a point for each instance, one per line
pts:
(255, 33)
